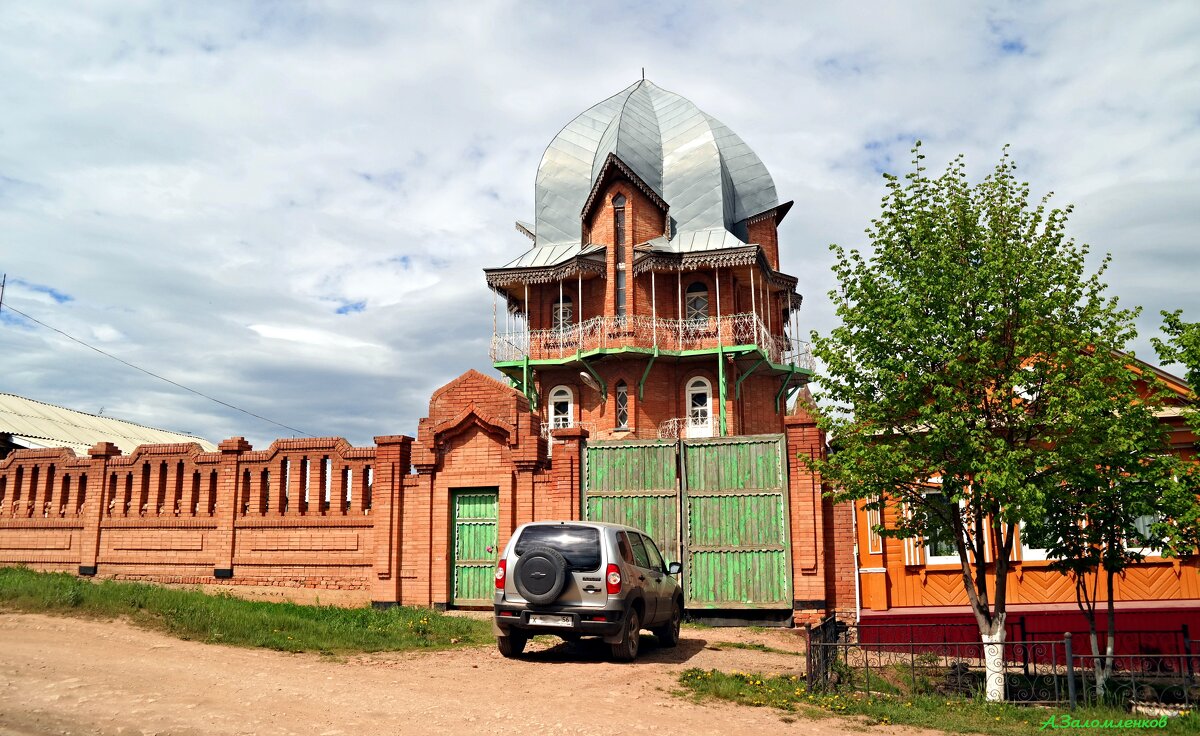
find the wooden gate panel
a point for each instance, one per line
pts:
(635, 483)
(736, 537)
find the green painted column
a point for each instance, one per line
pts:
(721, 385)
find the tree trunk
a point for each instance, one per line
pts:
(1097, 662)
(1111, 645)
(993, 657)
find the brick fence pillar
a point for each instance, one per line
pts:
(566, 468)
(807, 519)
(393, 457)
(226, 508)
(93, 505)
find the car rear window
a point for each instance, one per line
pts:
(579, 544)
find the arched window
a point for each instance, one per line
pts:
(699, 402)
(695, 307)
(562, 407)
(622, 392)
(563, 315)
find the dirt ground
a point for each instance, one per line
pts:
(72, 676)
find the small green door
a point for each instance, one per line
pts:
(476, 511)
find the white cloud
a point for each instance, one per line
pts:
(212, 183)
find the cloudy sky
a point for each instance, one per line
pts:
(287, 206)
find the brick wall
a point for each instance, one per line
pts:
(663, 396)
(764, 231)
(374, 522)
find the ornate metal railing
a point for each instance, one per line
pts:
(684, 427)
(601, 333)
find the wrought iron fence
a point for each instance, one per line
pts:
(1017, 629)
(1152, 679)
(1046, 671)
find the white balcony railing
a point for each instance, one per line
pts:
(647, 332)
(685, 428)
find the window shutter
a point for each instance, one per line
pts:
(914, 547)
(874, 541)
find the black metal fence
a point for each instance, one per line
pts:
(1059, 670)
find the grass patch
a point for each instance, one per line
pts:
(753, 647)
(952, 715)
(224, 619)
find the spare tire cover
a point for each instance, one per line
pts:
(541, 574)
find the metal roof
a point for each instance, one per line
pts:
(708, 176)
(36, 424)
(551, 255)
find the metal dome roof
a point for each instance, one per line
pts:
(708, 176)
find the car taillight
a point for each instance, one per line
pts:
(613, 579)
(501, 571)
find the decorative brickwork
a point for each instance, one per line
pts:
(319, 513)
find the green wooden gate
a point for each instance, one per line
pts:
(734, 540)
(736, 523)
(635, 483)
(476, 511)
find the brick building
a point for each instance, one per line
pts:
(650, 340)
(651, 301)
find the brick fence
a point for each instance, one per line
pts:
(320, 513)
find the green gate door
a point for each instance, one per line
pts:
(736, 523)
(635, 483)
(476, 511)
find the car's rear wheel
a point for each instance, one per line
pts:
(668, 633)
(513, 644)
(626, 650)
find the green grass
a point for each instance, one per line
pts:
(952, 715)
(223, 619)
(753, 647)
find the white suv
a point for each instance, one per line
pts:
(583, 578)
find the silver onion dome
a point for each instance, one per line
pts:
(709, 178)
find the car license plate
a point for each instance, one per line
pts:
(542, 619)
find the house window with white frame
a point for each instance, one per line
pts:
(940, 547)
(622, 400)
(1139, 539)
(699, 402)
(1034, 541)
(562, 408)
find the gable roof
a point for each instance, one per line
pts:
(36, 424)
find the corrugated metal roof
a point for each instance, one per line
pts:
(707, 175)
(37, 424)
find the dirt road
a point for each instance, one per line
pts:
(61, 675)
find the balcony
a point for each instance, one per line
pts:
(674, 335)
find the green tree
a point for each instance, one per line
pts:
(1120, 493)
(1182, 346)
(966, 333)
